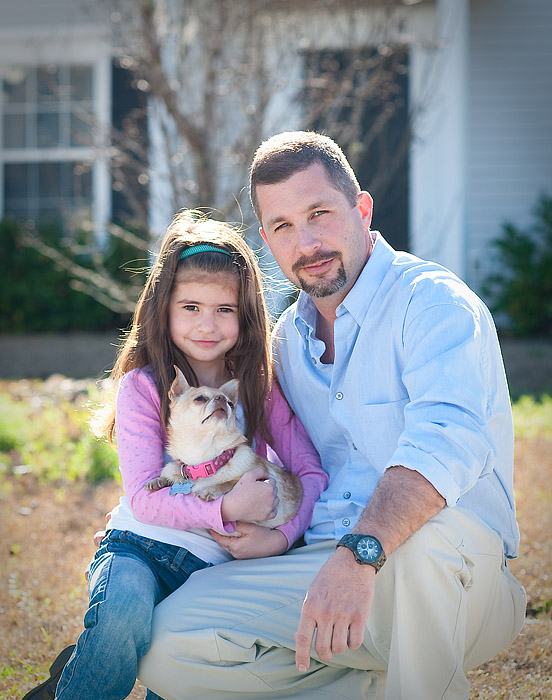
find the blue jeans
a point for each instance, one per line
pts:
(128, 577)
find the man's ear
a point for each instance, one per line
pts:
(263, 234)
(366, 207)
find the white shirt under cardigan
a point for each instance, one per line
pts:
(417, 381)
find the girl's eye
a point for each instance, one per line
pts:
(190, 307)
(226, 309)
(200, 399)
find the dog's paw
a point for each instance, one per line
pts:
(205, 493)
(159, 482)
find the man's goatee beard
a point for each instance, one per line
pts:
(324, 287)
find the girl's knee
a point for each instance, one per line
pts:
(121, 620)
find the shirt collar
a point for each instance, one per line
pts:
(305, 314)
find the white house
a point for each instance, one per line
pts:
(479, 95)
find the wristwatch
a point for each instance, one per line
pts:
(366, 548)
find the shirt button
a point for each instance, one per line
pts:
(347, 494)
(339, 396)
(345, 522)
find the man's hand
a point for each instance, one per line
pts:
(255, 541)
(339, 599)
(336, 606)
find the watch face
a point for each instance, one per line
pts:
(368, 549)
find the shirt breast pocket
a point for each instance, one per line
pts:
(379, 428)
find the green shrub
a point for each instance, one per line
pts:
(13, 425)
(36, 295)
(522, 289)
(50, 437)
(533, 417)
(103, 463)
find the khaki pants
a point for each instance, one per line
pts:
(444, 603)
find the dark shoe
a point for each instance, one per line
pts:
(47, 690)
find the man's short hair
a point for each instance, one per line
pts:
(287, 153)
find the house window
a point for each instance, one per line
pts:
(359, 97)
(46, 147)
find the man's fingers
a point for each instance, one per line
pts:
(338, 620)
(323, 642)
(356, 635)
(340, 638)
(330, 640)
(303, 643)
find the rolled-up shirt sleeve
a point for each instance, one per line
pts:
(447, 436)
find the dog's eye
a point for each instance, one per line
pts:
(230, 404)
(200, 399)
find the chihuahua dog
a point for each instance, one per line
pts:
(210, 451)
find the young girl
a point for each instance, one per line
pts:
(202, 309)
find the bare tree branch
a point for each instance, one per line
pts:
(97, 283)
(213, 71)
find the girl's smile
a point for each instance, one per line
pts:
(204, 324)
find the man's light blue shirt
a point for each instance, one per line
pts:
(417, 380)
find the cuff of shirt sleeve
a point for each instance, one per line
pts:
(224, 527)
(430, 468)
(289, 532)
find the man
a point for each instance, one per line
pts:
(393, 366)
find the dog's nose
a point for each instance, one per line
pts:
(220, 399)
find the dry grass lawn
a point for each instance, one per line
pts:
(46, 543)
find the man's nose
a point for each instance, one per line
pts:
(308, 239)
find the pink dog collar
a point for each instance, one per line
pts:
(196, 471)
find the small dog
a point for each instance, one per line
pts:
(210, 449)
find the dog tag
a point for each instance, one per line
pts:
(186, 487)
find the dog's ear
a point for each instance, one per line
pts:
(230, 389)
(179, 385)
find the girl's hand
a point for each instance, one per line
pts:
(254, 497)
(255, 541)
(98, 536)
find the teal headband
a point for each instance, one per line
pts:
(202, 248)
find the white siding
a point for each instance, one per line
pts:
(439, 86)
(510, 121)
(16, 14)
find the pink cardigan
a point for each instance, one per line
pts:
(141, 441)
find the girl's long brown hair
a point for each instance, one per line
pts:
(149, 341)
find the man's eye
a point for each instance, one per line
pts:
(320, 212)
(200, 399)
(281, 227)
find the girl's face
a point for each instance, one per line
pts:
(203, 319)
